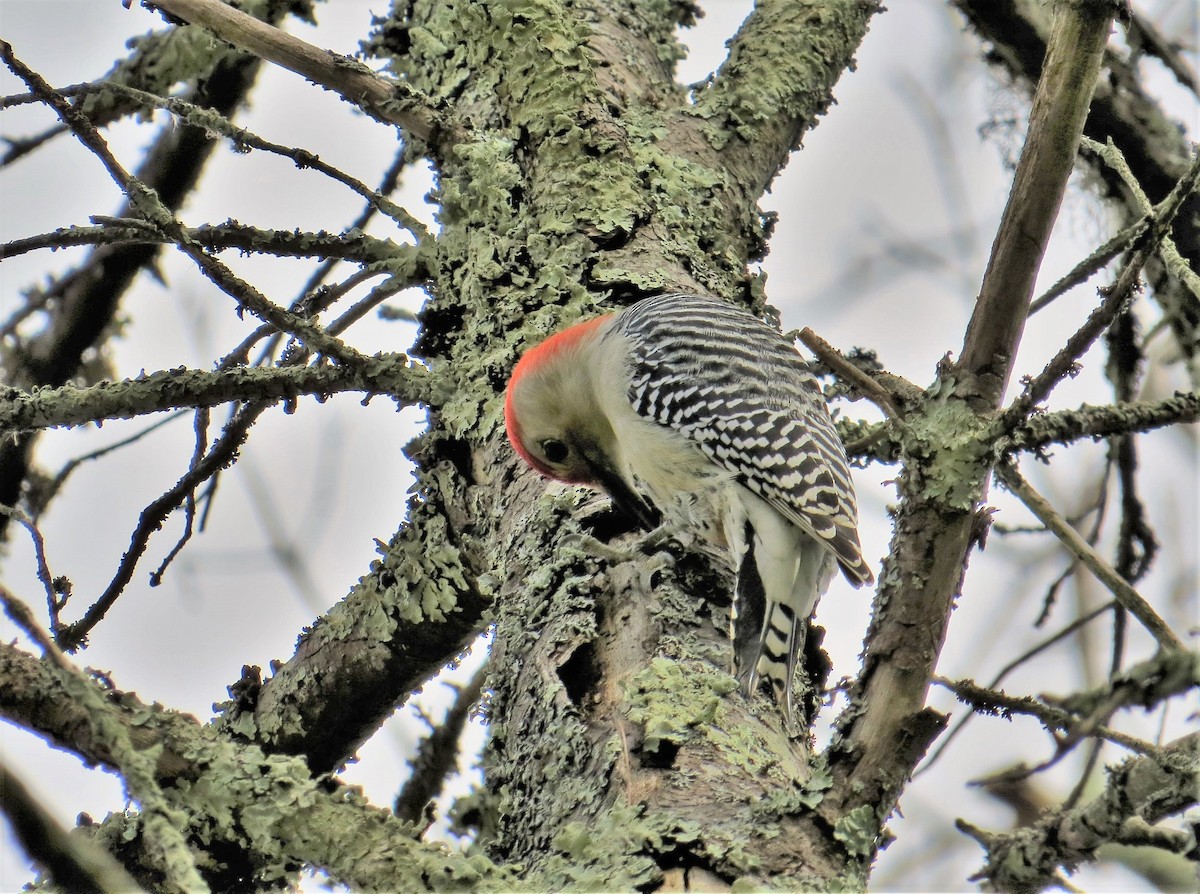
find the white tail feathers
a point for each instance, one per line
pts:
(782, 572)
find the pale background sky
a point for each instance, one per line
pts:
(886, 218)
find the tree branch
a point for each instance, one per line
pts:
(243, 141)
(1147, 684)
(885, 730)
(218, 237)
(418, 606)
(778, 80)
(392, 102)
(875, 392)
(166, 845)
(393, 375)
(1040, 430)
(268, 805)
(1060, 106)
(1122, 111)
(72, 862)
(1142, 790)
(989, 700)
(1082, 550)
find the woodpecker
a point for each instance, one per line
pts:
(687, 407)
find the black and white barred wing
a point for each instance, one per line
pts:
(734, 386)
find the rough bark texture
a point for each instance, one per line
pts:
(575, 175)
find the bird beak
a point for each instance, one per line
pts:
(623, 496)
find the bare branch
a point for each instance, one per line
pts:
(392, 102)
(1117, 585)
(203, 467)
(1060, 106)
(144, 199)
(831, 357)
(72, 862)
(52, 585)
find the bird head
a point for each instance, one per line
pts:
(550, 410)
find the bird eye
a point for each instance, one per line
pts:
(554, 450)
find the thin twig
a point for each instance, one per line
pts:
(146, 201)
(1117, 585)
(200, 421)
(71, 636)
(1066, 426)
(1115, 298)
(390, 101)
(53, 603)
(1093, 263)
(1050, 717)
(60, 478)
(1025, 656)
(832, 358)
(1098, 509)
(23, 618)
(1175, 263)
(364, 305)
(356, 248)
(244, 140)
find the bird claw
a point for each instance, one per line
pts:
(646, 551)
(588, 545)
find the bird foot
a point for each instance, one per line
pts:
(646, 551)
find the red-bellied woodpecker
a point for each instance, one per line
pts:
(710, 413)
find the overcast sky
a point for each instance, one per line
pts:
(886, 218)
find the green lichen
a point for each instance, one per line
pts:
(782, 68)
(857, 831)
(424, 572)
(674, 701)
(952, 441)
(612, 853)
(799, 796)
